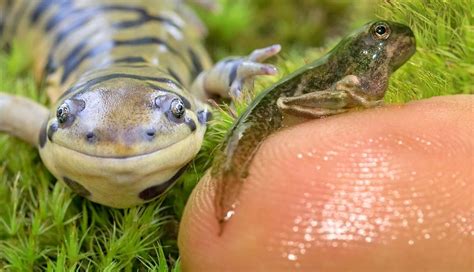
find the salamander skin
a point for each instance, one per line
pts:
(126, 81)
(353, 75)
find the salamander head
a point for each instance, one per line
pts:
(123, 118)
(123, 135)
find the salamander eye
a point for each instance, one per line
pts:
(177, 108)
(63, 113)
(381, 31)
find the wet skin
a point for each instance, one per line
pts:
(353, 75)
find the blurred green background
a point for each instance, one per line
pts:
(240, 26)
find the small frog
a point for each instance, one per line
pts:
(353, 75)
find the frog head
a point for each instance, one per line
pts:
(116, 137)
(375, 51)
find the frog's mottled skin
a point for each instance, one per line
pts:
(127, 81)
(354, 74)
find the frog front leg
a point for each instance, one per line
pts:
(228, 77)
(345, 94)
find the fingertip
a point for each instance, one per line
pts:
(389, 188)
(197, 216)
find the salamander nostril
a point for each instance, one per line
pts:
(151, 133)
(90, 136)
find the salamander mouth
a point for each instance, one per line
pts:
(118, 164)
(126, 173)
(144, 154)
(128, 156)
(131, 156)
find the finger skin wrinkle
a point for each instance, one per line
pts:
(389, 188)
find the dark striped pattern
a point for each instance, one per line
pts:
(79, 46)
(233, 72)
(93, 82)
(74, 59)
(77, 187)
(130, 60)
(197, 65)
(78, 17)
(51, 130)
(86, 14)
(43, 135)
(157, 190)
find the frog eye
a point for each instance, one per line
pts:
(177, 108)
(381, 31)
(63, 113)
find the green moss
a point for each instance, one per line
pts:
(43, 226)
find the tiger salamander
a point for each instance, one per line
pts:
(127, 81)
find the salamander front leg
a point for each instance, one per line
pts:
(344, 95)
(228, 77)
(22, 117)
